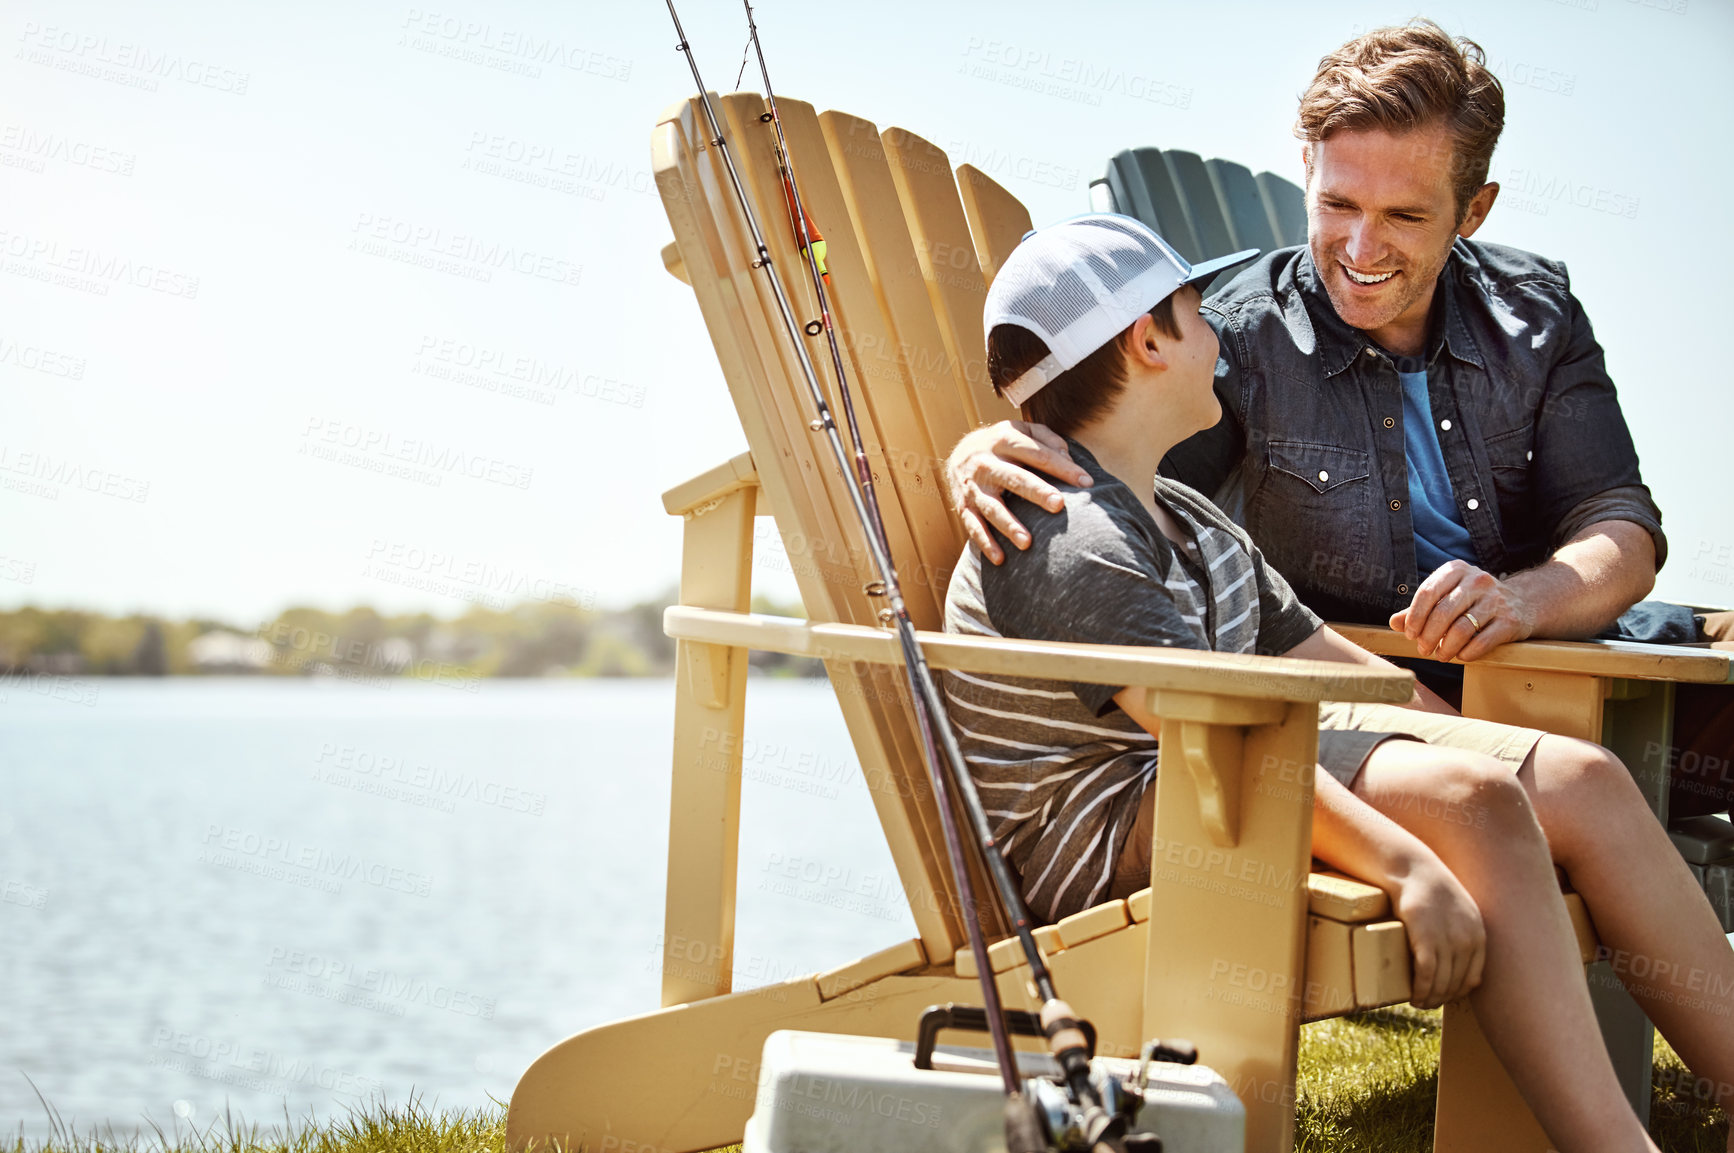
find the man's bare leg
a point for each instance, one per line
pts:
(1658, 930)
(1533, 1004)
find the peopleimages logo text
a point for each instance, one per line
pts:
(98, 54)
(379, 234)
(316, 861)
(386, 445)
(103, 267)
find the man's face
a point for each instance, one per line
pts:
(1380, 221)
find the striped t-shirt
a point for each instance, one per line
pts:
(1059, 767)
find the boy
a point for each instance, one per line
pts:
(1093, 329)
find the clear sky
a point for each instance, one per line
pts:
(251, 292)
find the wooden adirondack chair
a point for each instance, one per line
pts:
(1233, 945)
(1621, 695)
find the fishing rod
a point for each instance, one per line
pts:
(873, 522)
(866, 509)
(1096, 1125)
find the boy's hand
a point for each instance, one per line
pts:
(1447, 940)
(991, 461)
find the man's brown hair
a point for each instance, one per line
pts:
(1404, 77)
(1081, 393)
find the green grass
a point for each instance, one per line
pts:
(1366, 1084)
(408, 1128)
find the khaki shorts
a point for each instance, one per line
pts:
(1509, 744)
(1347, 735)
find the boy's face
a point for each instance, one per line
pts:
(1192, 361)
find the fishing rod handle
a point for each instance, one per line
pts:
(1064, 1030)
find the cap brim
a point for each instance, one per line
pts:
(1209, 268)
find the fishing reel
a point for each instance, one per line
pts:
(1085, 1108)
(1047, 1120)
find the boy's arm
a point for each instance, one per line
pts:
(1326, 645)
(1446, 936)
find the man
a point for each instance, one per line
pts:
(1093, 324)
(1418, 428)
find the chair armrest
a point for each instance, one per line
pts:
(1679, 663)
(710, 486)
(1172, 670)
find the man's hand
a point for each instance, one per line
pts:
(1447, 939)
(995, 460)
(1462, 613)
(1594, 577)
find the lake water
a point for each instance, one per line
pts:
(306, 894)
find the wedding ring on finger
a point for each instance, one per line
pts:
(1473, 623)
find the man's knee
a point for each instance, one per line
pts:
(1584, 770)
(1585, 795)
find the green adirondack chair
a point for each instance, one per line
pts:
(1203, 207)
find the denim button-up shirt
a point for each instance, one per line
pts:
(1309, 453)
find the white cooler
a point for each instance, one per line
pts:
(834, 1093)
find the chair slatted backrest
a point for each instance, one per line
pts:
(905, 249)
(1249, 219)
(1204, 208)
(1287, 205)
(1139, 183)
(1209, 218)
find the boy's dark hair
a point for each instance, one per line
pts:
(1081, 393)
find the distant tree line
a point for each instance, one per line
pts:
(533, 639)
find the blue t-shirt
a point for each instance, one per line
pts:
(1440, 534)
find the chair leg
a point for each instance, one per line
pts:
(1637, 726)
(1479, 1109)
(705, 788)
(1228, 922)
(1628, 1034)
(1633, 719)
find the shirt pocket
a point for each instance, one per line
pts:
(1313, 505)
(1509, 455)
(1324, 468)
